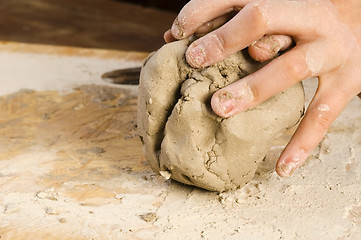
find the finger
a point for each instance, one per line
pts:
(168, 37)
(268, 46)
(250, 24)
(198, 12)
(323, 110)
(205, 28)
(278, 75)
(215, 23)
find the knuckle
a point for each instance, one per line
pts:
(259, 9)
(218, 43)
(295, 68)
(254, 93)
(322, 120)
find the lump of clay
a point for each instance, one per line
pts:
(183, 138)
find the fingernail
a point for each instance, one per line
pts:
(272, 44)
(291, 164)
(226, 102)
(267, 47)
(176, 30)
(231, 102)
(288, 169)
(275, 48)
(196, 56)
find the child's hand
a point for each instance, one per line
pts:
(327, 36)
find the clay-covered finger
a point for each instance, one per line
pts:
(323, 110)
(255, 20)
(278, 75)
(205, 28)
(196, 13)
(268, 47)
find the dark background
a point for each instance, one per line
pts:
(174, 6)
(136, 25)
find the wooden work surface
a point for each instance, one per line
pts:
(81, 132)
(69, 143)
(102, 24)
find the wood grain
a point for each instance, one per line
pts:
(91, 131)
(84, 23)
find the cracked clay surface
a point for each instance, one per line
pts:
(186, 141)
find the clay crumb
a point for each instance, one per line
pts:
(48, 194)
(50, 211)
(324, 108)
(149, 217)
(165, 174)
(119, 196)
(93, 150)
(11, 208)
(97, 150)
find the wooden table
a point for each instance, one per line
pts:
(103, 24)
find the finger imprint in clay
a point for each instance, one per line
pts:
(184, 138)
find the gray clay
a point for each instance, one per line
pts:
(182, 137)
